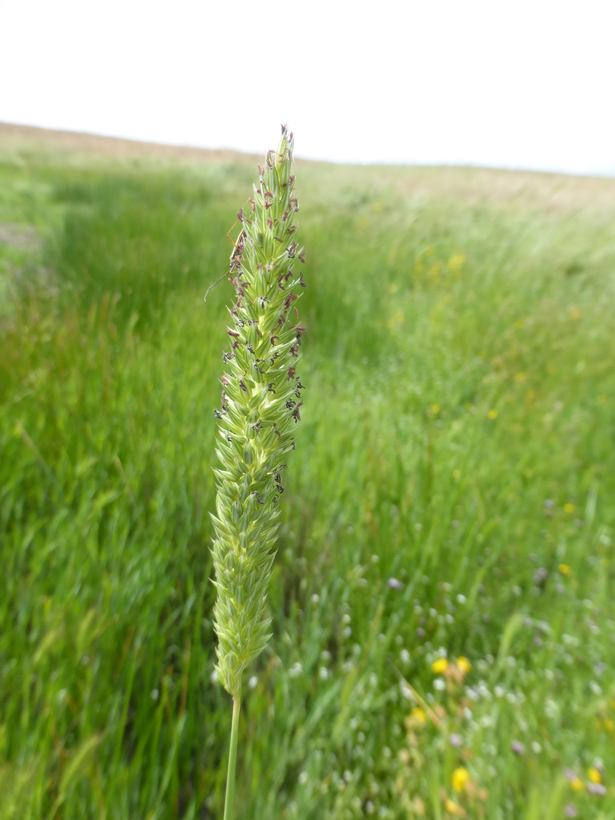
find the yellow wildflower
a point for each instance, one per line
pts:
(594, 775)
(393, 288)
(459, 778)
(609, 725)
(452, 808)
(577, 784)
(464, 665)
(564, 569)
(569, 508)
(440, 666)
(492, 414)
(435, 409)
(575, 313)
(521, 377)
(418, 715)
(456, 474)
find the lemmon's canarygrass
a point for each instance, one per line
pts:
(261, 399)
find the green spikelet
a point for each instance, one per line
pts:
(260, 408)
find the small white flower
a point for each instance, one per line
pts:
(323, 673)
(303, 778)
(252, 682)
(315, 598)
(154, 693)
(536, 747)
(295, 670)
(439, 684)
(461, 599)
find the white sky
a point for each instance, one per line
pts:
(503, 82)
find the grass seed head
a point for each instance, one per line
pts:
(261, 401)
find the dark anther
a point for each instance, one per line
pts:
(271, 388)
(291, 372)
(232, 333)
(300, 330)
(242, 385)
(294, 350)
(301, 282)
(240, 214)
(296, 414)
(224, 379)
(274, 339)
(302, 257)
(229, 437)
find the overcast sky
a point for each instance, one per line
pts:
(512, 84)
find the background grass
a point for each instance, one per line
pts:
(457, 436)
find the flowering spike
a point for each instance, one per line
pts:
(258, 416)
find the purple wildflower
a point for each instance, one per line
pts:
(596, 788)
(517, 747)
(395, 584)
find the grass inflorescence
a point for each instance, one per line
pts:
(440, 605)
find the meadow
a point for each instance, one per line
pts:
(443, 614)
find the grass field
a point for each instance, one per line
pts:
(443, 609)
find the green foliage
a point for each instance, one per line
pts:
(456, 436)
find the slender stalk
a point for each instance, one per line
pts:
(232, 759)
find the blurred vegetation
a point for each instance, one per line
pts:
(451, 497)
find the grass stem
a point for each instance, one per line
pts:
(232, 759)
